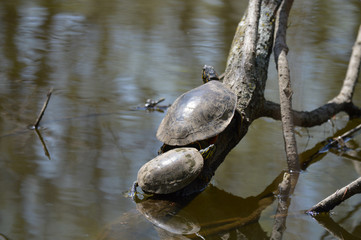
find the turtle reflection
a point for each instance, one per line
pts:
(213, 213)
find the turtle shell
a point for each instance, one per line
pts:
(170, 171)
(198, 114)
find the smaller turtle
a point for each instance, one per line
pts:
(171, 171)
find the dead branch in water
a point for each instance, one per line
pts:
(41, 114)
(336, 198)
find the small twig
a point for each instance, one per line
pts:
(348, 134)
(336, 198)
(40, 116)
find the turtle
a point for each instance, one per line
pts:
(189, 132)
(172, 170)
(199, 115)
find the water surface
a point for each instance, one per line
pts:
(105, 57)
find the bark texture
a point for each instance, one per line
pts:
(248, 59)
(285, 88)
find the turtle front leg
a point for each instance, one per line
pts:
(133, 190)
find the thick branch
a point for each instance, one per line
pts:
(240, 69)
(342, 102)
(315, 117)
(247, 64)
(336, 198)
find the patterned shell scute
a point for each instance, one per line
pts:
(198, 114)
(170, 171)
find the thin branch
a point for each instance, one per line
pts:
(41, 114)
(342, 102)
(285, 89)
(315, 117)
(353, 71)
(314, 154)
(336, 198)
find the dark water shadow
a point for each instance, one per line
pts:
(334, 228)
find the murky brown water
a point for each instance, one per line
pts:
(104, 57)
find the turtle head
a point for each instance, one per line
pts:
(208, 151)
(209, 74)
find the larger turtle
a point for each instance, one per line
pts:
(199, 114)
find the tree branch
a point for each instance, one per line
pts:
(41, 114)
(342, 102)
(247, 63)
(240, 69)
(353, 71)
(285, 89)
(336, 198)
